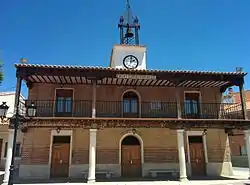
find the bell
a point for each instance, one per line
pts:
(129, 33)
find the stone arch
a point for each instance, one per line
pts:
(132, 90)
(140, 141)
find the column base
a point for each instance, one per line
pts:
(183, 179)
(91, 181)
(4, 183)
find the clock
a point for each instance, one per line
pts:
(130, 62)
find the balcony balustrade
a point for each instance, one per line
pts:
(120, 109)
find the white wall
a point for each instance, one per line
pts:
(4, 137)
(121, 51)
(9, 97)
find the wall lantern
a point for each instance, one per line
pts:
(204, 132)
(3, 110)
(58, 130)
(31, 110)
(133, 131)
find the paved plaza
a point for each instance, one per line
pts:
(209, 182)
(239, 173)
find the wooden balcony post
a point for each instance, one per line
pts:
(178, 103)
(94, 99)
(243, 100)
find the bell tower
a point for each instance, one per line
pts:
(128, 54)
(129, 27)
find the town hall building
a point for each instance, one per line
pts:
(125, 120)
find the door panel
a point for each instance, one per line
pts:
(125, 161)
(197, 159)
(60, 160)
(131, 161)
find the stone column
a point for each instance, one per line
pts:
(92, 154)
(9, 156)
(181, 152)
(247, 141)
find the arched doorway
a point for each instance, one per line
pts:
(130, 157)
(130, 104)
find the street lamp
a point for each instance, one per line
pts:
(17, 119)
(31, 110)
(3, 110)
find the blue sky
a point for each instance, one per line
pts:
(179, 34)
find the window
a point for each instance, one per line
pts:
(155, 105)
(130, 104)
(18, 150)
(64, 104)
(192, 103)
(243, 151)
(64, 101)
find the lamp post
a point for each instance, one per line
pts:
(15, 121)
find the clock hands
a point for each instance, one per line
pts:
(130, 62)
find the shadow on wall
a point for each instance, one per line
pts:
(219, 163)
(227, 156)
(240, 161)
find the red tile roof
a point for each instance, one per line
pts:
(97, 68)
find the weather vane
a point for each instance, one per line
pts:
(129, 27)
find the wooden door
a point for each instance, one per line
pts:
(60, 160)
(131, 161)
(197, 159)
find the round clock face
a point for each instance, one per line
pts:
(130, 62)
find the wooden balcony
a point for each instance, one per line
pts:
(119, 109)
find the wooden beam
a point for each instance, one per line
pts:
(101, 73)
(94, 99)
(243, 101)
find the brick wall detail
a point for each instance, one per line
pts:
(36, 146)
(218, 148)
(160, 146)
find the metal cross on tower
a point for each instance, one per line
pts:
(129, 27)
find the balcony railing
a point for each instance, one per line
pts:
(146, 110)
(50, 108)
(119, 109)
(211, 111)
